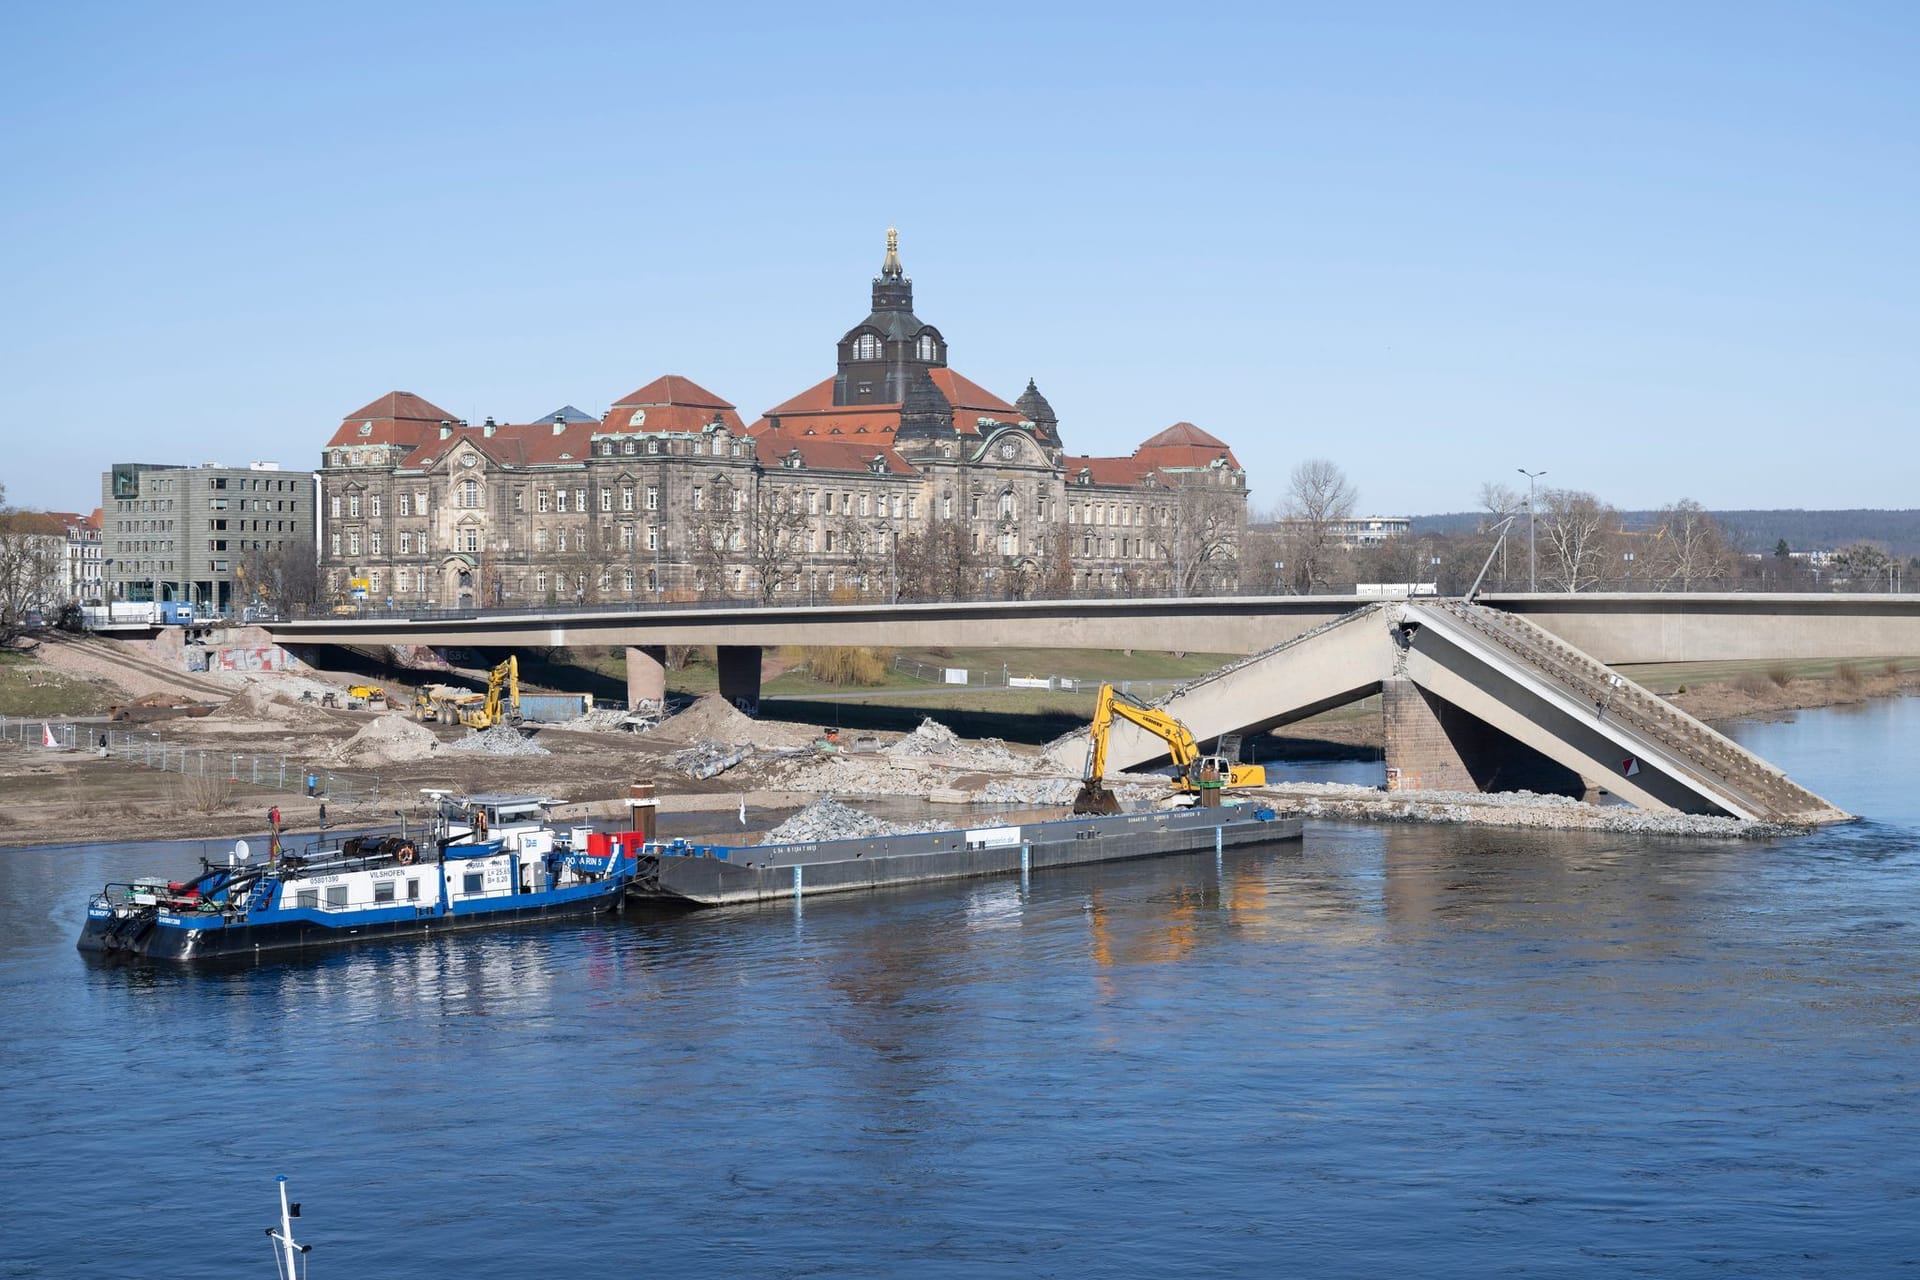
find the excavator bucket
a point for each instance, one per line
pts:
(1095, 798)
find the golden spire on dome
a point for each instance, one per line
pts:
(890, 269)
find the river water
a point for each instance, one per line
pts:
(1397, 1050)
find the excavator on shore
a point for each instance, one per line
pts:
(1198, 775)
(500, 704)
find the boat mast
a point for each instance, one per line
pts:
(287, 1254)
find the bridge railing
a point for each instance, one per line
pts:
(433, 611)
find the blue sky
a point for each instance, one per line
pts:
(1661, 251)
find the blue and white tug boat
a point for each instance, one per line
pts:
(484, 860)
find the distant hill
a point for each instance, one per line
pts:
(1898, 531)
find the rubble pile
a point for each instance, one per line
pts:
(501, 740)
(386, 740)
(830, 820)
(706, 759)
(932, 738)
(1030, 791)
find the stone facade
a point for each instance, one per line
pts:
(894, 478)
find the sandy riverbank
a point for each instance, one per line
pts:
(378, 762)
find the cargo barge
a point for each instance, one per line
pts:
(721, 875)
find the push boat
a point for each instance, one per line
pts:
(485, 860)
(721, 875)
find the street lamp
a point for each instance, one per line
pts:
(1533, 582)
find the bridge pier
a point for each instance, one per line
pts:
(646, 676)
(1432, 745)
(740, 676)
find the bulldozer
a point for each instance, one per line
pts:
(1200, 776)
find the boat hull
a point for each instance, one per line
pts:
(184, 937)
(720, 876)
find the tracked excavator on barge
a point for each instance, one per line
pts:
(1198, 773)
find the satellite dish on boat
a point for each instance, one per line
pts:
(242, 850)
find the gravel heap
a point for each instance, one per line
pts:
(712, 718)
(501, 740)
(386, 740)
(706, 759)
(828, 819)
(932, 738)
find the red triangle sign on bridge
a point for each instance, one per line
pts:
(1629, 766)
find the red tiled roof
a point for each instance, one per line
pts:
(672, 389)
(969, 399)
(1189, 457)
(1182, 433)
(398, 417)
(669, 417)
(1109, 471)
(828, 453)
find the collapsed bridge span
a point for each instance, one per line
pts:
(1478, 699)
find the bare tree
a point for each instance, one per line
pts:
(939, 563)
(285, 578)
(1199, 539)
(1319, 497)
(1688, 547)
(716, 535)
(33, 560)
(775, 524)
(1578, 532)
(1862, 566)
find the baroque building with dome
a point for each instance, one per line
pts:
(894, 478)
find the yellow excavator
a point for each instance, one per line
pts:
(500, 704)
(1197, 773)
(483, 711)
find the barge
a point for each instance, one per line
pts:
(484, 862)
(720, 875)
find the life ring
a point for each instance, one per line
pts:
(405, 855)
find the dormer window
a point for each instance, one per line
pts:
(926, 348)
(866, 347)
(653, 446)
(626, 447)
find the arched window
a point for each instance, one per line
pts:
(1006, 504)
(927, 348)
(866, 347)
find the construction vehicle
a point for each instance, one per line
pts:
(367, 693)
(1200, 776)
(500, 704)
(483, 711)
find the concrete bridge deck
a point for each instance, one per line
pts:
(1613, 628)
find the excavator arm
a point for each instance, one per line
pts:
(1181, 749)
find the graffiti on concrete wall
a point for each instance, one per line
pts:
(269, 657)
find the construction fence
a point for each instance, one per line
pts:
(150, 750)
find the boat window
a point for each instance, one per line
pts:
(307, 898)
(413, 891)
(383, 891)
(336, 896)
(472, 882)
